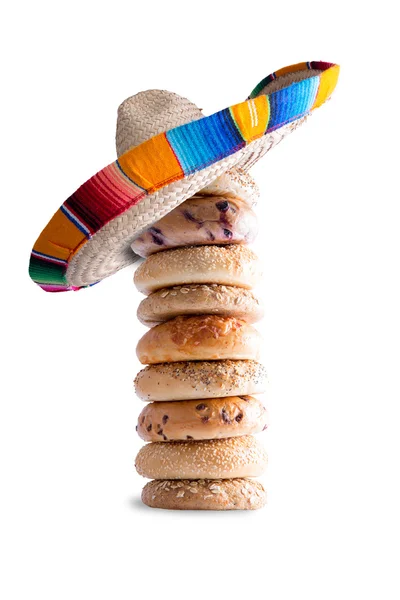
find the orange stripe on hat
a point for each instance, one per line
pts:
(151, 164)
(59, 238)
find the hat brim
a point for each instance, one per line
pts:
(89, 237)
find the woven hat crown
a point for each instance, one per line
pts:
(149, 113)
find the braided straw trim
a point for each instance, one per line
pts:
(109, 250)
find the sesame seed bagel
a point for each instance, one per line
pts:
(234, 264)
(197, 299)
(202, 494)
(208, 459)
(205, 420)
(198, 221)
(200, 379)
(235, 183)
(203, 337)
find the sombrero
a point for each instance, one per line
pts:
(168, 151)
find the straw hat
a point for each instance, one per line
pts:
(168, 151)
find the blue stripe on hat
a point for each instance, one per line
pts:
(200, 143)
(288, 104)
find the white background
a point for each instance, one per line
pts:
(72, 525)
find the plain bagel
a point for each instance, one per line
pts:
(206, 419)
(205, 494)
(200, 299)
(202, 337)
(234, 264)
(200, 379)
(208, 459)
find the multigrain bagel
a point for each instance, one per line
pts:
(202, 337)
(208, 459)
(198, 221)
(234, 264)
(200, 379)
(206, 419)
(200, 299)
(205, 494)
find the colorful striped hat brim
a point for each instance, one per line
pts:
(89, 237)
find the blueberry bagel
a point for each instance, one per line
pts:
(200, 221)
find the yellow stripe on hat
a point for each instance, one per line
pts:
(328, 81)
(251, 117)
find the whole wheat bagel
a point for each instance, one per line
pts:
(206, 419)
(234, 264)
(200, 299)
(205, 494)
(208, 459)
(200, 379)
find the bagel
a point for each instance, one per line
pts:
(234, 264)
(205, 494)
(198, 221)
(200, 299)
(206, 419)
(235, 183)
(203, 337)
(208, 459)
(200, 379)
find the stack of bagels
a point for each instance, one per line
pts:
(202, 353)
